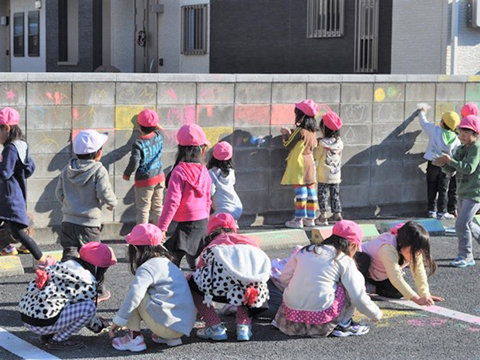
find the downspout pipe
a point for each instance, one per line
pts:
(453, 54)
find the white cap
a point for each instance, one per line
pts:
(88, 142)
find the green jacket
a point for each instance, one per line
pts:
(465, 162)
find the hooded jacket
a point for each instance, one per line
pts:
(328, 155)
(188, 195)
(224, 196)
(440, 141)
(68, 283)
(83, 188)
(15, 167)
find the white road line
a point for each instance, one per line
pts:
(22, 348)
(453, 314)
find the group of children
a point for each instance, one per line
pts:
(225, 266)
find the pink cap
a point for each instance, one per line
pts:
(332, 120)
(9, 116)
(191, 135)
(308, 107)
(469, 109)
(470, 122)
(221, 220)
(350, 231)
(145, 234)
(148, 118)
(98, 254)
(88, 142)
(222, 151)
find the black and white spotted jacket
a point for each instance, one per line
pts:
(68, 283)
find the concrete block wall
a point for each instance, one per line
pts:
(383, 167)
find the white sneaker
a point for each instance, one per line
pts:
(294, 223)
(169, 342)
(445, 216)
(128, 343)
(432, 214)
(309, 222)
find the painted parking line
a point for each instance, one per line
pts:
(434, 309)
(22, 348)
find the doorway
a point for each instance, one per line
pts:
(146, 36)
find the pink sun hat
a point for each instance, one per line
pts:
(471, 122)
(148, 118)
(469, 109)
(192, 135)
(350, 231)
(222, 151)
(332, 120)
(145, 234)
(308, 107)
(221, 220)
(98, 254)
(9, 116)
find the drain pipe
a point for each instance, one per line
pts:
(453, 54)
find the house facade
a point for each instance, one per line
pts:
(241, 36)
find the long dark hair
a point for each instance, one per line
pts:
(414, 235)
(223, 165)
(304, 121)
(188, 154)
(340, 244)
(329, 133)
(15, 134)
(139, 254)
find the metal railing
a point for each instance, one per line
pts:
(325, 18)
(194, 29)
(366, 36)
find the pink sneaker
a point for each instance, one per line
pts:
(128, 343)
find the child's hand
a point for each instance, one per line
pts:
(427, 300)
(126, 178)
(285, 131)
(113, 330)
(443, 160)
(110, 207)
(378, 318)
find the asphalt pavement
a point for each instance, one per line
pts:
(404, 333)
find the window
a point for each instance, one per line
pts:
(194, 29)
(18, 35)
(366, 36)
(33, 33)
(325, 18)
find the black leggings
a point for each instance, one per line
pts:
(19, 234)
(383, 288)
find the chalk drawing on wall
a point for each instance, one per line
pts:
(354, 113)
(391, 93)
(48, 144)
(56, 96)
(379, 95)
(126, 116)
(144, 96)
(387, 112)
(10, 95)
(349, 136)
(215, 134)
(473, 92)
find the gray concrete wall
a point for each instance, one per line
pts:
(383, 169)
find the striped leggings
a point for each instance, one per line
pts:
(306, 202)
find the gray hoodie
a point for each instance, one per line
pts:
(83, 188)
(224, 196)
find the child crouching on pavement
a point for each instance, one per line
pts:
(159, 294)
(63, 298)
(231, 269)
(324, 286)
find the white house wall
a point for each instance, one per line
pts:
(468, 48)
(122, 35)
(26, 63)
(169, 37)
(417, 37)
(3, 37)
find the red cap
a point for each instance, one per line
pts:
(332, 121)
(98, 254)
(145, 234)
(191, 135)
(469, 109)
(148, 118)
(308, 107)
(222, 151)
(9, 116)
(470, 122)
(221, 220)
(350, 231)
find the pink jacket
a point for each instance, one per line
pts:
(188, 195)
(228, 239)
